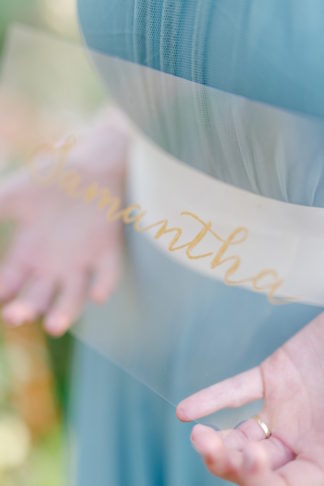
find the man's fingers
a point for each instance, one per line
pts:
(233, 392)
(68, 305)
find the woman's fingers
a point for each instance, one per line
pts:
(32, 302)
(250, 466)
(12, 277)
(233, 392)
(106, 276)
(277, 453)
(249, 432)
(219, 460)
(12, 193)
(238, 438)
(68, 305)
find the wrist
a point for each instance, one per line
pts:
(101, 150)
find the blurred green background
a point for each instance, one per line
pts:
(34, 369)
(58, 16)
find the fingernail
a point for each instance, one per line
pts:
(181, 412)
(185, 411)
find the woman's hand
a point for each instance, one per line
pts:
(63, 250)
(291, 382)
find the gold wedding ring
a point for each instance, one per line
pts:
(263, 426)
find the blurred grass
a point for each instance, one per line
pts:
(45, 463)
(16, 10)
(52, 15)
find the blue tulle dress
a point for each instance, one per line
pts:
(266, 51)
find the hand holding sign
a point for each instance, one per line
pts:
(291, 382)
